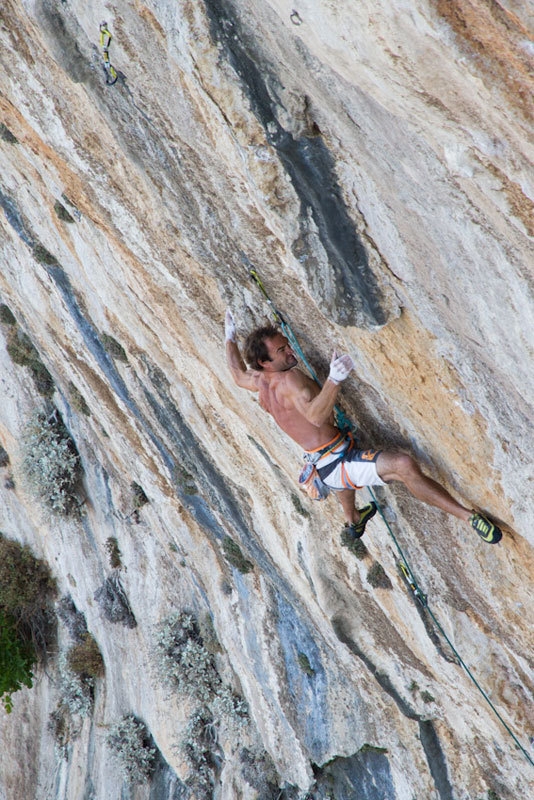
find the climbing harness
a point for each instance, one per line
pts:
(105, 41)
(403, 563)
(311, 483)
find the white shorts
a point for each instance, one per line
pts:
(357, 469)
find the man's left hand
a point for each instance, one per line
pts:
(340, 367)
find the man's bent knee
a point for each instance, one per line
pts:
(396, 466)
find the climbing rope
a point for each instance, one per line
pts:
(403, 564)
(422, 598)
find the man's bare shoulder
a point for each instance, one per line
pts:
(294, 380)
(249, 379)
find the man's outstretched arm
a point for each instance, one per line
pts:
(243, 377)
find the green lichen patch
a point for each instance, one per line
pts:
(6, 135)
(23, 353)
(77, 400)
(113, 347)
(355, 546)
(62, 212)
(234, 556)
(378, 578)
(6, 315)
(44, 256)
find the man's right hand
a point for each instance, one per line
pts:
(229, 326)
(340, 367)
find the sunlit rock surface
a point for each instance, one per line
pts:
(373, 161)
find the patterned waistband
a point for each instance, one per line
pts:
(313, 456)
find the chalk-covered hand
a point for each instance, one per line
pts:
(340, 367)
(229, 326)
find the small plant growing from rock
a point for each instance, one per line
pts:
(76, 692)
(85, 658)
(426, 697)
(189, 667)
(27, 623)
(59, 726)
(198, 744)
(62, 212)
(139, 497)
(51, 462)
(304, 664)
(378, 578)
(17, 658)
(112, 599)
(114, 348)
(112, 546)
(73, 619)
(184, 660)
(234, 556)
(131, 746)
(259, 771)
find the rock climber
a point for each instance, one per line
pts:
(105, 41)
(305, 411)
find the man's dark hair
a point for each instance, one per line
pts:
(255, 349)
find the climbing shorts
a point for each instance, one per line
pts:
(355, 469)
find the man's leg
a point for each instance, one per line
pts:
(347, 499)
(402, 467)
(356, 519)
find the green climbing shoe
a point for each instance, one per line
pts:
(356, 529)
(485, 529)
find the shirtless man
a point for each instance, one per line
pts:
(305, 411)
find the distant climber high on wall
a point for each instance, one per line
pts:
(105, 41)
(304, 411)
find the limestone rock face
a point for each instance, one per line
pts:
(373, 162)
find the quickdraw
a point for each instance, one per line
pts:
(412, 584)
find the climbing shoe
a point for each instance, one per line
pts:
(485, 529)
(356, 529)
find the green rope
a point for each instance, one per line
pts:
(420, 596)
(422, 599)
